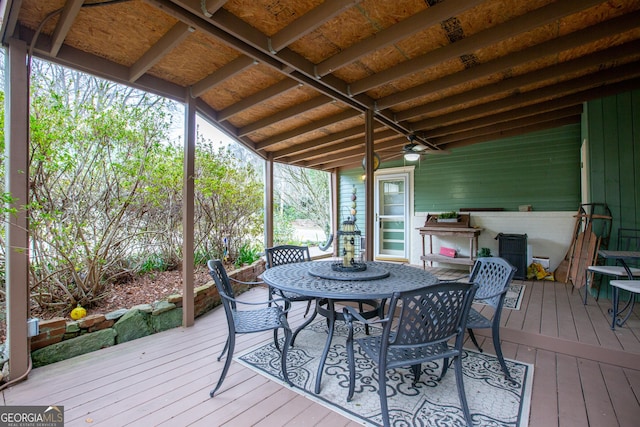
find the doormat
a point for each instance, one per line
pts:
(492, 400)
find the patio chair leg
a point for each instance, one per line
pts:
(285, 349)
(382, 391)
(473, 339)
(231, 342)
(445, 368)
(495, 332)
(463, 397)
(224, 350)
(351, 362)
(417, 371)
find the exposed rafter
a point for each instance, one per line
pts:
(295, 81)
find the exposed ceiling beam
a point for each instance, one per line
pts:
(223, 73)
(347, 143)
(514, 132)
(208, 7)
(518, 113)
(520, 99)
(209, 114)
(319, 142)
(101, 67)
(258, 98)
(68, 15)
(355, 149)
(280, 116)
(492, 128)
(511, 28)
(308, 22)
(554, 72)
(166, 44)
(236, 33)
(336, 118)
(551, 47)
(394, 33)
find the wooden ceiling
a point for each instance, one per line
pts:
(293, 79)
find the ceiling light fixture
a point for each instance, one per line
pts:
(412, 157)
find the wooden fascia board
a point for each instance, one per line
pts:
(293, 111)
(578, 38)
(506, 30)
(413, 24)
(166, 44)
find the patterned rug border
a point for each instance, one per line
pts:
(525, 401)
(513, 302)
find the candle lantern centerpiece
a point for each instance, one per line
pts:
(349, 241)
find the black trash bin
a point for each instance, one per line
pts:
(513, 248)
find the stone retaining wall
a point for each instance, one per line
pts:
(60, 339)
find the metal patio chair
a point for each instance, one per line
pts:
(426, 320)
(493, 276)
(287, 254)
(268, 316)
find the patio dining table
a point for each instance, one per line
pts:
(328, 284)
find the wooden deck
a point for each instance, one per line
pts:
(585, 373)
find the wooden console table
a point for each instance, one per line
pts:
(471, 233)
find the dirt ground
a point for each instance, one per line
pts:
(143, 290)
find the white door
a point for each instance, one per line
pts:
(392, 201)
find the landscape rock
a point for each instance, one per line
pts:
(115, 315)
(166, 320)
(133, 325)
(73, 347)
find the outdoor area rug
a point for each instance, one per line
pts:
(514, 296)
(493, 401)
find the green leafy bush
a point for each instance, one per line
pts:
(248, 254)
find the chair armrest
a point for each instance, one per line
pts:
(246, 283)
(457, 279)
(351, 313)
(268, 302)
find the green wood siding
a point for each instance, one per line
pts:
(613, 132)
(541, 169)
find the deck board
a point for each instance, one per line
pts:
(165, 379)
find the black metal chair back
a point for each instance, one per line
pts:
(493, 275)
(263, 316)
(287, 254)
(418, 329)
